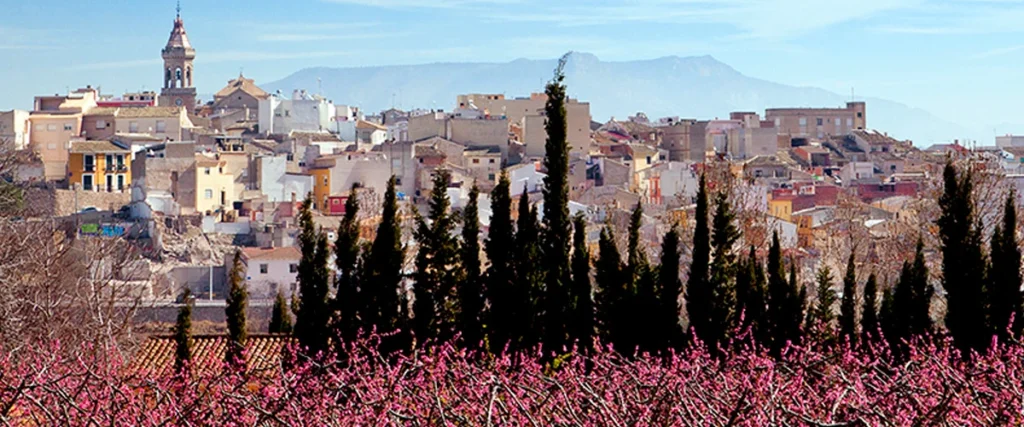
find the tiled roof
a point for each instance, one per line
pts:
(102, 111)
(263, 353)
(246, 85)
(365, 125)
(144, 112)
(874, 137)
(315, 136)
(97, 147)
(268, 254)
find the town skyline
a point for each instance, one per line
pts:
(902, 51)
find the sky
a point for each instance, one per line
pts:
(959, 59)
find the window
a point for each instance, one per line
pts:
(220, 170)
(860, 114)
(648, 159)
(476, 161)
(293, 268)
(264, 268)
(820, 121)
(490, 177)
(51, 127)
(133, 127)
(101, 124)
(849, 122)
(120, 159)
(51, 146)
(803, 121)
(206, 171)
(325, 179)
(291, 157)
(208, 194)
(335, 201)
(161, 126)
(68, 127)
(87, 182)
(398, 181)
(491, 161)
(40, 128)
(110, 160)
(839, 122)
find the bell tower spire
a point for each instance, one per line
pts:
(178, 54)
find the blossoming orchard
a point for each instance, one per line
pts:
(432, 320)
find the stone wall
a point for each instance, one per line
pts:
(47, 202)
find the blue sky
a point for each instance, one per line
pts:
(959, 59)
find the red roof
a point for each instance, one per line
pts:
(263, 353)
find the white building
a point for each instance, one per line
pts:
(1010, 141)
(302, 112)
(14, 128)
(525, 175)
(269, 270)
(276, 184)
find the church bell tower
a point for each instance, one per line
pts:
(178, 89)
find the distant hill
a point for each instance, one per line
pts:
(691, 87)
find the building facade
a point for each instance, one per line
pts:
(179, 88)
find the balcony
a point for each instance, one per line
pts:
(117, 168)
(90, 167)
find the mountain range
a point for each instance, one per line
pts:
(698, 87)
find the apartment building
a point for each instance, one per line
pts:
(55, 122)
(100, 166)
(528, 113)
(15, 130)
(301, 112)
(818, 123)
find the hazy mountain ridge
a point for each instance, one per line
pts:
(691, 87)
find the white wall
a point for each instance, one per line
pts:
(278, 272)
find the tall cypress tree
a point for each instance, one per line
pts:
(963, 261)
(346, 257)
(582, 299)
(722, 274)
(869, 311)
(471, 292)
(183, 334)
(610, 289)
(698, 291)
(822, 315)
(887, 321)
(1005, 298)
(555, 245)
(848, 309)
(311, 323)
(751, 296)
(669, 289)
(500, 238)
(529, 277)
(785, 300)
(383, 271)
(280, 316)
(640, 297)
(911, 301)
(235, 311)
(437, 272)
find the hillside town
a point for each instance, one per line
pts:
(188, 180)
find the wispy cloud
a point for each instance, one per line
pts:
(216, 57)
(997, 52)
(422, 4)
(307, 37)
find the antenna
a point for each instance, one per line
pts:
(178, 9)
(853, 96)
(320, 87)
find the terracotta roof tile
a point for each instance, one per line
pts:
(263, 353)
(285, 253)
(97, 147)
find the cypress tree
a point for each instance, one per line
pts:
(384, 297)
(911, 303)
(346, 257)
(183, 334)
(311, 323)
(555, 244)
(280, 317)
(582, 299)
(471, 292)
(751, 297)
(963, 262)
(640, 300)
(869, 311)
(722, 274)
(698, 291)
(887, 317)
(610, 289)
(437, 272)
(669, 289)
(848, 309)
(1005, 298)
(500, 238)
(529, 277)
(786, 300)
(822, 315)
(235, 311)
